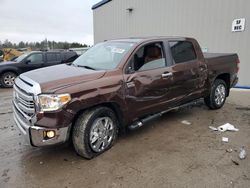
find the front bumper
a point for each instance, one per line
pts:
(35, 135)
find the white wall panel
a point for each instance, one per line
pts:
(209, 21)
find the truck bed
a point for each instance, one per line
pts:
(219, 59)
(217, 55)
(219, 63)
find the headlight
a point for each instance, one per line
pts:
(52, 102)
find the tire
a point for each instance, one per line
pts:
(7, 79)
(90, 126)
(217, 96)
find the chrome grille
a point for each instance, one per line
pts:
(23, 102)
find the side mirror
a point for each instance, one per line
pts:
(27, 61)
(130, 70)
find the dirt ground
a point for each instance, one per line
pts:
(164, 153)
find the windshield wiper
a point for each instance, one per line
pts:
(86, 67)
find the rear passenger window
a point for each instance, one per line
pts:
(53, 57)
(58, 57)
(182, 51)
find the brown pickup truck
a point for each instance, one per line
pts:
(118, 84)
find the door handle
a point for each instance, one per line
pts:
(166, 75)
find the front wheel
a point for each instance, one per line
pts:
(94, 132)
(218, 94)
(8, 79)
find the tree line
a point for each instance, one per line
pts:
(43, 45)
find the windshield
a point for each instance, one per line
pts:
(20, 58)
(104, 56)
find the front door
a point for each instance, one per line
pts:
(32, 62)
(149, 82)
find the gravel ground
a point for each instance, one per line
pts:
(164, 153)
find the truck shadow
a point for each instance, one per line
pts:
(164, 119)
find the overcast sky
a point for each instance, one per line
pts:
(59, 20)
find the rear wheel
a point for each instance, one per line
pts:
(7, 79)
(94, 132)
(218, 94)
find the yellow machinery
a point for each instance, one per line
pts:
(8, 54)
(1, 55)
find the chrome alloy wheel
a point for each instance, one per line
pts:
(101, 134)
(220, 94)
(9, 79)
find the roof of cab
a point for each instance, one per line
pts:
(144, 39)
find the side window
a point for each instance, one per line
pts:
(150, 56)
(51, 57)
(182, 51)
(35, 58)
(58, 57)
(70, 56)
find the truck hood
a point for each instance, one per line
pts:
(5, 63)
(57, 77)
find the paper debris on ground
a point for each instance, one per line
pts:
(223, 128)
(224, 139)
(185, 122)
(227, 127)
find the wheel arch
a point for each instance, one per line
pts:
(112, 105)
(9, 70)
(226, 78)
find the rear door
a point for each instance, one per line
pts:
(185, 70)
(53, 58)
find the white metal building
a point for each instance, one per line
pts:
(218, 25)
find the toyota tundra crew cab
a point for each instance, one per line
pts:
(118, 84)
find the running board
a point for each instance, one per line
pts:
(139, 123)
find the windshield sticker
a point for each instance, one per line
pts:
(117, 50)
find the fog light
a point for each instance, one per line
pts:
(50, 134)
